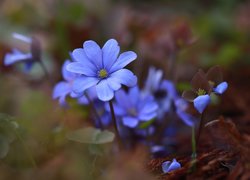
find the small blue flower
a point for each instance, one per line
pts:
(18, 56)
(200, 93)
(221, 88)
(64, 88)
(134, 107)
(102, 68)
(169, 166)
(27, 58)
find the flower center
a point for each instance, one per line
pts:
(102, 73)
(132, 112)
(201, 92)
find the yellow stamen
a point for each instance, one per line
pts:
(102, 73)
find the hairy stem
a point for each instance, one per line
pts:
(115, 123)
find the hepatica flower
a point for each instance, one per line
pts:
(102, 68)
(163, 90)
(169, 166)
(17, 56)
(134, 107)
(200, 93)
(203, 85)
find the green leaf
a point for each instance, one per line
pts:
(91, 135)
(7, 127)
(146, 124)
(96, 149)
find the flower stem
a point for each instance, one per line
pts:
(94, 111)
(193, 144)
(115, 123)
(46, 72)
(202, 121)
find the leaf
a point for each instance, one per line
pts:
(91, 135)
(146, 124)
(96, 149)
(7, 127)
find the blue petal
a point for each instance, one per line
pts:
(134, 95)
(22, 37)
(79, 55)
(153, 80)
(114, 83)
(110, 53)
(80, 68)
(221, 88)
(104, 92)
(170, 166)
(125, 77)
(82, 83)
(130, 121)
(123, 100)
(123, 60)
(186, 118)
(83, 100)
(181, 104)
(149, 107)
(201, 102)
(170, 88)
(148, 116)
(119, 111)
(68, 76)
(16, 56)
(61, 89)
(93, 52)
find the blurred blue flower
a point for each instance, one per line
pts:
(102, 68)
(163, 90)
(134, 107)
(169, 166)
(181, 107)
(17, 56)
(64, 88)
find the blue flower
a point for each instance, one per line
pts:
(134, 107)
(64, 88)
(200, 93)
(163, 90)
(169, 166)
(18, 56)
(102, 68)
(203, 85)
(27, 58)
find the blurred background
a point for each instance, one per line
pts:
(195, 34)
